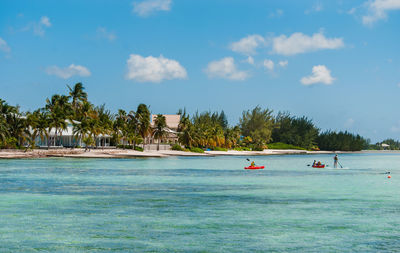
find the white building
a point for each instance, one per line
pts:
(172, 121)
(66, 138)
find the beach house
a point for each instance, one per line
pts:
(172, 121)
(66, 138)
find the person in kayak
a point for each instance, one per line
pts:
(319, 163)
(314, 163)
(253, 164)
(335, 161)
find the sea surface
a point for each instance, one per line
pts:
(201, 204)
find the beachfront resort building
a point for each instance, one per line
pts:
(172, 121)
(66, 138)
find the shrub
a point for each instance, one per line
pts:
(220, 149)
(242, 149)
(10, 142)
(280, 145)
(137, 148)
(196, 150)
(177, 147)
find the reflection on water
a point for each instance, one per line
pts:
(200, 204)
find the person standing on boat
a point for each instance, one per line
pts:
(335, 161)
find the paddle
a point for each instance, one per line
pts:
(340, 165)
(249, 161)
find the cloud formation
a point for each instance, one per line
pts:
(71, 70)
(4, 46)
(317, 7)
(269, 65)
(320, 74)
(283, 63)
(378, 9)
(248, 45)
(299, 43)
(250, 60)
(225, 68)
(153, 69)
(39, 27)
(104, 34)
(148, 7)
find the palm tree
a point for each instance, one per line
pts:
(32, 120)
(186, 131)
(78, 96)
(60, 110)
(143, 118)
(3, 129)
(42, 126)
(159, 129)
(80, 130)
(17, 127)
(120, 126)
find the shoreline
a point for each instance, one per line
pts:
(127, 153)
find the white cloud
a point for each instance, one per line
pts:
(248, 45)
(298, 43)
(269, 65)
(71, 70)
(153, 69)
(39, 27)
(4, 46)
(317, 7)
(104, 34)
(45, 21)
(283, 63)
(147, 7)
(320, 74)
(250, 60)
(378, 9)
(225, 68)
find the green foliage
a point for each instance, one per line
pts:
(280, 145)
(258, 125)
(242, 149)
(9, 142)
(177, 147)
(393, 145)
(196, 150)
(343, 141)
(298, 131)
(137, 148)
(220, 149)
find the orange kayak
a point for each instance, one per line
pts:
(254, 167)
(319, 166)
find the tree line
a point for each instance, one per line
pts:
(257, 128)
(89, 121)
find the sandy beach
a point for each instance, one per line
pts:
(120, 153)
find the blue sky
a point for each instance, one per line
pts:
(336, 62)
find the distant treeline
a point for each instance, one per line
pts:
(257, 128)
(388, 144)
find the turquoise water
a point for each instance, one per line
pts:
(200, 205)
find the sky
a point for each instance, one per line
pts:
(336, 62)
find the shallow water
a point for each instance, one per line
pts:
(200, 205)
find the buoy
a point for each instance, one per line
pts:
(389, 176)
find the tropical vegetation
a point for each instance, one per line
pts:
(257, 129)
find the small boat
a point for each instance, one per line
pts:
(254, 167)
(319, 166)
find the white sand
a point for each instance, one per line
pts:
(127, 153)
